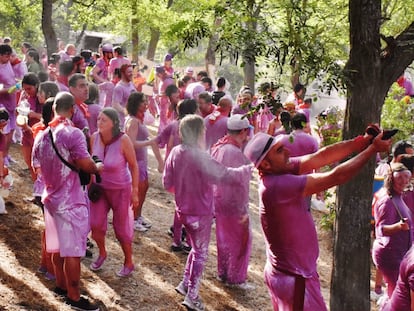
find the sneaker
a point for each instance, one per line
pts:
(139, 226)
(144, 222)
(244, 286)
(82, 304)
(60, 292)
(97, 264)
(176, 248)
(125, 271)
(193, 304)
(373, 296)
(42, 270)
(49, 276)
(181, 289)
(89, 244)
(186, 248)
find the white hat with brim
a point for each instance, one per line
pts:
(258, 147)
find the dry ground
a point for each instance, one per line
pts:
(158, 270)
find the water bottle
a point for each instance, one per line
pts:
(23, 110)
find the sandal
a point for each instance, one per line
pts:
(97, 265)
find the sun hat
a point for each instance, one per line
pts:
(107, 47)
(258, 147)
(189, 70)
(236, 122)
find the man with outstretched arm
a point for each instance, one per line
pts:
(291, 240)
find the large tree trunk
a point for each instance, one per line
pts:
(210, 57)
(371, 72)
(152, 46)
(47, 28)
(134, 32)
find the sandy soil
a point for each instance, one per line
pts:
(158, 270)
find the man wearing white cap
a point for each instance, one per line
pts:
(291, 240)
(231, 207)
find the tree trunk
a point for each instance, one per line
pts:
(210, 57)
(370, 73)
(152, 46)
(47, 28)
(134, 32)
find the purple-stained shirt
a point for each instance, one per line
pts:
(7, 78)
(62, 87)
(215, 129)
(193, 90)
(190, 172)
(63, 190)
(401, 297)
(164, 84)
(288, 226)
(20, 69)
(388, 251)
(116, 174)
(103, 68)
(169, 134)
(79, 119)
(141, 153)
(121, 94)
(117, 62)
(94, 110)
(231, 199)
(300, 143)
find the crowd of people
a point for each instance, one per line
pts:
(86, 113)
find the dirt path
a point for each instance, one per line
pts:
(158, 270)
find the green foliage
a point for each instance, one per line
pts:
(397, 112)
(328, 126)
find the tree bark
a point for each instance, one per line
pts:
(134, 32)
(47, 28)
(152, 46)
(370, 73)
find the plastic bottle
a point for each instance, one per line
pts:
(23, 109)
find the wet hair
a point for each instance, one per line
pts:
(118, 49)
(135, 100)
(298, 121)
(63, 102)
(49, 88)
(171, 89)
(112, 114)
(206, 96)
(66, 68)
(389, 178)
(408, 161)
(202, 73)
(400, 147)
(34, 54)
(73, 80)
(191, 129)
(308, 101)
(185, 107)
(53, 59)
(207, 80)
(27, 45)
(221, 82)
(47, 110)
(77, 62)
(124, 68)
(31, 79)
(5, 49)
(43, 76)
(298, 87)
(93, 94)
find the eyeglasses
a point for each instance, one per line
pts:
(266, 148)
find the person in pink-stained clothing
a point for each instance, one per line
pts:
(163, 101)
(93, 107)
(189, 173)
(116, 62)
(231, 207)
(78, 87)
(216, 122)
(122, 91)
(119, 189)
(298, 142)
(66, 209)
(290, 272)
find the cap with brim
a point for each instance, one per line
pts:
(258, 147)
(237, 122)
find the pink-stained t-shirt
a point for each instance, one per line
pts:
(116, 174)
(141, 153)
(300, 143)
(117, 62)
(190, 174)
(63, 190)
(7, 78)
(121, 94)
(79, 119)
(193, 90)
(94, 110)
(230, 199)
(216, 128)
(287, 223)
